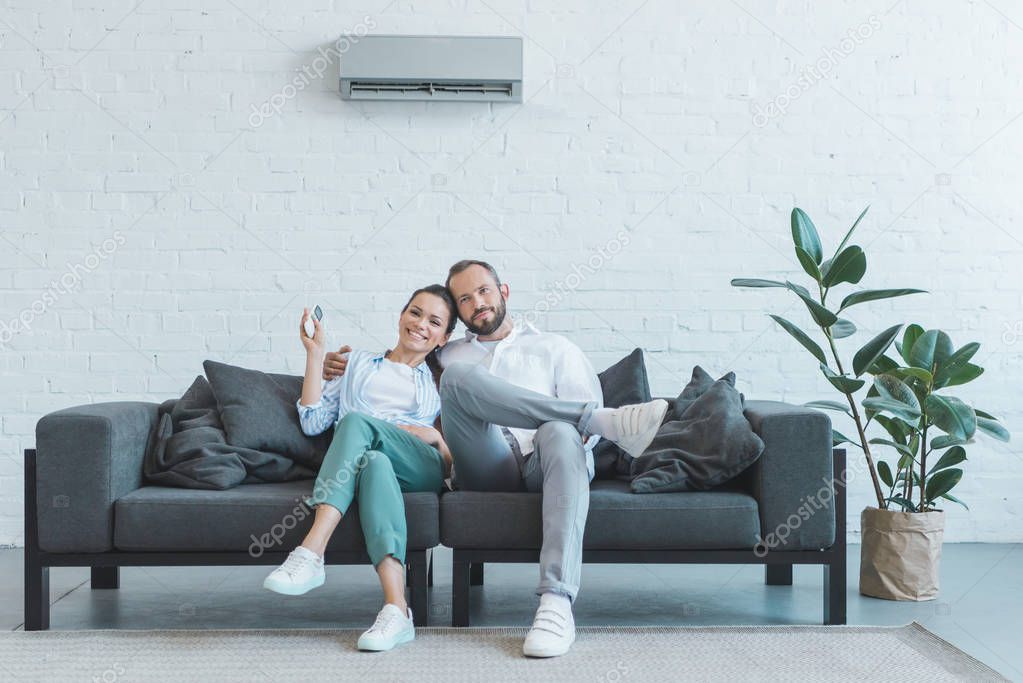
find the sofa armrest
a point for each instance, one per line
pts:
(86, 458)
(793, 478)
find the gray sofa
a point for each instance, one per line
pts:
(86, 505)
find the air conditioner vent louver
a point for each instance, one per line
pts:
(369, 90)
(437, 68)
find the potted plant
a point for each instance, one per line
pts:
(902, 536)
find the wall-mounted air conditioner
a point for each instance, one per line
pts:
(433, 68)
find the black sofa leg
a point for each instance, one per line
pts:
(37, 596)
(476, 574)
(778, 574)
(37, 576)
(459, 589)
(420, 602)
(835, 570)
(834, 594)
(105, 577)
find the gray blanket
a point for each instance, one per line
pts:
(704, 441)
(189, 448)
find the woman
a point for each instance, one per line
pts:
(384, 443)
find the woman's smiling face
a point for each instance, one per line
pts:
(423, 324)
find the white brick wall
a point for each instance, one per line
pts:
(133, 119)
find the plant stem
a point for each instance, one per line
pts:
(859, 427)
(923, 465)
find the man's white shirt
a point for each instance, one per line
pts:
(543, 362)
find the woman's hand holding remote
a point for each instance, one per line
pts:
(316, 346)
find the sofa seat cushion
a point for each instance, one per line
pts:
(618, 519)
(250, 517)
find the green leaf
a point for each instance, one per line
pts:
(900, 447)
(933, 348)
(809, 267)
(899, 410)
(951, 415)
(944, 441)
(849, 266)
(804, 235)
(829, 405)
(798, 289)
(847, 385)
(905, 463)
(838, 437)
(874, 349)
(949, 496)
(891, 387)
(885, 473)
(842, 329)
(941, 483)
(896, 428)
(981, 413)
(916, 373)
(967, 373)
(907, 505)
(801, 337)
(874, 295)
(849, 234)
(825, 267)
(992, 428)
(958, 360)
(757, 282)
(882, 365)
(821, 315)
(952, 456)
(909, 338)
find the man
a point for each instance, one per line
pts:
(522, 409)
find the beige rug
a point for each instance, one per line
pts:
(607, 655)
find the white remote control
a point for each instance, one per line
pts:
(308, 327)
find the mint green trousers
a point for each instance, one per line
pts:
(375, 461)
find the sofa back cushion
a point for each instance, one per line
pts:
(258, 411)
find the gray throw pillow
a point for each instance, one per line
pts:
(698, 385)
(258, 411)
(623, 383)
(710, 443)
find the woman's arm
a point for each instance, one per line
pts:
(318, 405)
(432, 437)
(315, 350)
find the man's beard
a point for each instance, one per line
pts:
(485, 329)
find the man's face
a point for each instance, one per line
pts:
(481, 303)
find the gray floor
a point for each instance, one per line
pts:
(979, 609)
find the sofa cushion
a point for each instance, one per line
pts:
(625, 382)
(622, 384)
(248, 517)
(709, 444)
(618, 519)
(258, 411)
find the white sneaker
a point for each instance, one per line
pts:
(299, 574)
(637, 425)
(553, 629)
(390, 628)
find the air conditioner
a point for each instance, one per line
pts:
(432, 68)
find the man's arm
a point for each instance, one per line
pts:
(335, 363)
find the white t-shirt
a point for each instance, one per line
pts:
(391, 390)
